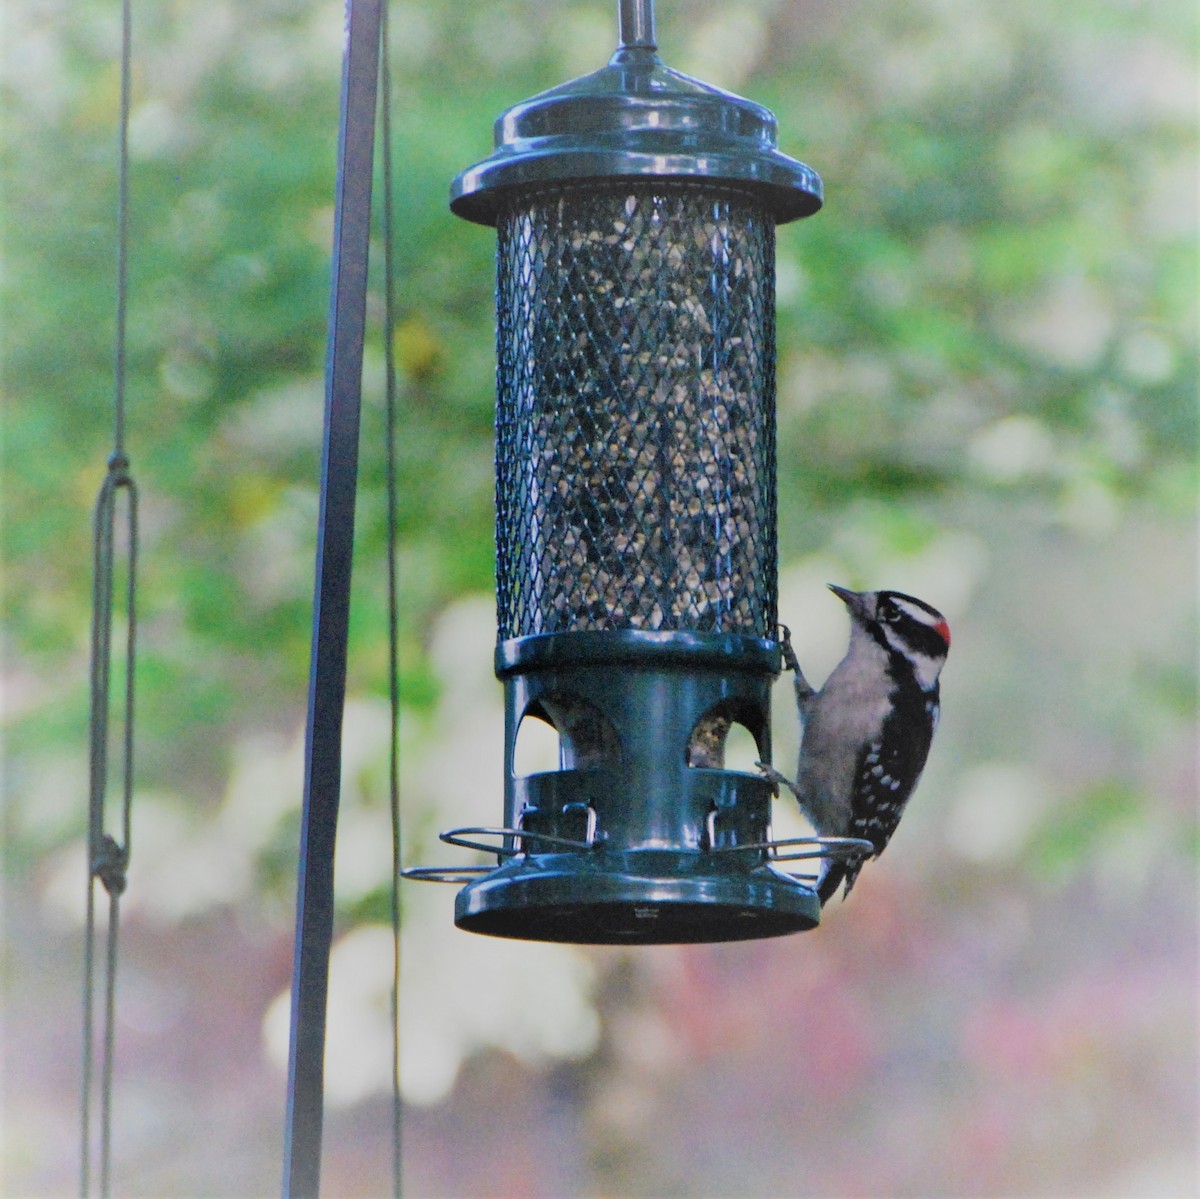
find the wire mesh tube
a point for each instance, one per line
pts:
(635, 421)
(636, 563)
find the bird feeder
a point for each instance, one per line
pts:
(635, 210)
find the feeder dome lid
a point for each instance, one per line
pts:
(636, 117)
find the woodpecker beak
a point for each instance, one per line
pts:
(856, 601)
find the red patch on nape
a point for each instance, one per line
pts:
(943, 628)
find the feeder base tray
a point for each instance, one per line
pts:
(636, 897)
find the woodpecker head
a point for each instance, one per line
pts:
(902, 624)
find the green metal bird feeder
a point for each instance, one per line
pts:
(636, 507)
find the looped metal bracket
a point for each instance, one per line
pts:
(444, 874)
(802, 849)
(806, 849)
(459, 837)
(815, 847)
(463, 838)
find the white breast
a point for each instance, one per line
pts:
(845, 716)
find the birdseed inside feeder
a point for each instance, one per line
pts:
(635, 504)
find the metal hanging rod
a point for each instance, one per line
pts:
(636, 23)
(331, 601)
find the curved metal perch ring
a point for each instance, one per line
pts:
(813, 847)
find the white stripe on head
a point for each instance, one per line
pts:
(917, 612)
(926, 668)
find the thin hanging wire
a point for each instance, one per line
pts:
(108, 858)
(392, 487)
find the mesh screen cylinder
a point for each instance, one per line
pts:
(635, 419)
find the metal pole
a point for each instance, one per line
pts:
(331, 601)
(635, 21)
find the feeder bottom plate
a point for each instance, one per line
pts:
(637, 897)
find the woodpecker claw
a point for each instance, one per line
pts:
(804, 690)
(785, 645)
(776, 779)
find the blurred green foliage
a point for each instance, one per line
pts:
(987, 362)
(999, 297)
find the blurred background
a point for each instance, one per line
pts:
(987, 397)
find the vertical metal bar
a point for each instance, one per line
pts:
(331, 601)
(635, 21)
(386, 209)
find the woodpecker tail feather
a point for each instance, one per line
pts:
(838, 873)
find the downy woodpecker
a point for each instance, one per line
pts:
(867, 731)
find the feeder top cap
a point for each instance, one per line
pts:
(636, 117)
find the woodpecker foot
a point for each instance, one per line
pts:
(804, 690)
(776, 779)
